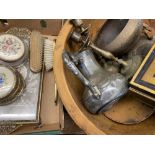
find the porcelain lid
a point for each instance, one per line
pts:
(7, 81)
(11, 47)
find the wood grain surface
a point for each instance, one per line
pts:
(70, 90)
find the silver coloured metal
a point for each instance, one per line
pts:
(110, 66)
(136, 55)
(102, 88)
(78, 23)
(119, 35)
(77, 37)
(25, 108)
(133, 64)
(83, 79)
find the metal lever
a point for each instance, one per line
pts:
(77, 37)
(71, 66)
(78, 23)
(108, 55)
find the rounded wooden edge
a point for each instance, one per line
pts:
(80, 119)
(127, 35)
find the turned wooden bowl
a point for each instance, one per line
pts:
(70, 90)
(118, 36)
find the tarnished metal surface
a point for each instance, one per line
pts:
(136, 55)
(103, 88)
(72, 67)
(118, 35)
(100, 93)
(142, 47)
(85, 42)
(133, 64)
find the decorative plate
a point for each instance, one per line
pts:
(11, 47)
(7, 81)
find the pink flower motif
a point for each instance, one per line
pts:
(11, 49)
(9, 41)
(4, 47)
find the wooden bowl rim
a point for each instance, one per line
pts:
(80, 118)
(69, 101)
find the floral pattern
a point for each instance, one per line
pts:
(2, 79)
(26, 106)
(9, 46)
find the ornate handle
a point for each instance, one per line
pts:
(108, 55)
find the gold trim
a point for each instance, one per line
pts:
(14, 92)
(38, 105)
(132, 82)
(25, 122)
(142, 94)
(15, 79)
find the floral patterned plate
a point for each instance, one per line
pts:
(7, 81)
(11, 48)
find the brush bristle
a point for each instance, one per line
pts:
(49, 46)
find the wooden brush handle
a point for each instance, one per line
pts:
(36, 51)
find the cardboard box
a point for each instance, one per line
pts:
(51, 114)
(45, 26)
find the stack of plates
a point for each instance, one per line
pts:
(12, 84)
